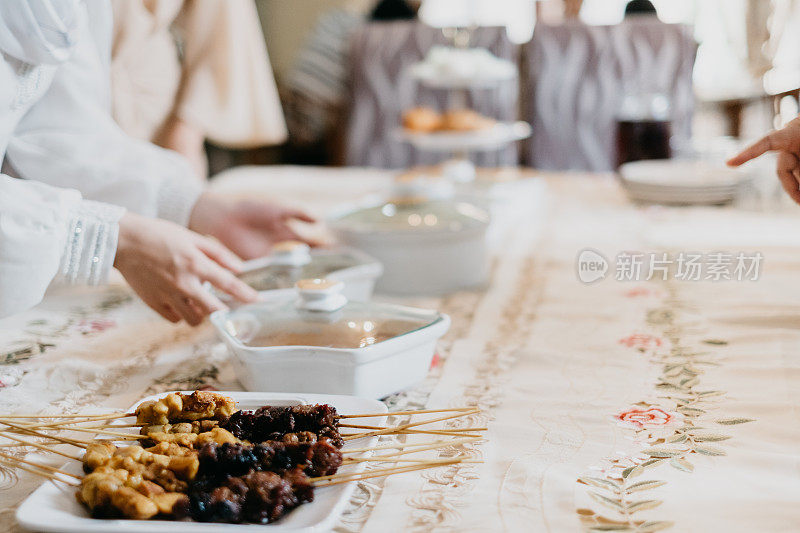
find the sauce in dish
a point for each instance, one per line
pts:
(348, 333)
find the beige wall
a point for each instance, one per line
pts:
(287, 22)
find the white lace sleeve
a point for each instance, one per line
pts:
(51, 235)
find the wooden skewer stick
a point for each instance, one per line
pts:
(129, 436)
(410, 412)
(400, 445)
(406, 452)
(351, 474)
(98, 416)
(18, 444)
(454, 432)
(85, 430)
(372, 473)
(39, 465)
(439, 432)
(392, 459)
(48, 475)
(409, 425)
(43, 447)
(71, 422)
(40, 434)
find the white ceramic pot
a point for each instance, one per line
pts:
(427, 247)
(344, 362)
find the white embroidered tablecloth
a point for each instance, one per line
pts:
(617, 405)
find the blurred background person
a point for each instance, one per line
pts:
(640, 7)
(187, 71)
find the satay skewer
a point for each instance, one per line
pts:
(327, 481)
(409, 425)
(106, 416)
(27, 431)
(61, 423)
(49, 475)
(429, 445)
(409, 412)
(42, 447)
(39, 465)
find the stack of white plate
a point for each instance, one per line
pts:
(492, 138)
(681, 182)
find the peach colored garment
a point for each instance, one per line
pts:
(220, 81)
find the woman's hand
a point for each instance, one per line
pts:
(248, 227)
(786, 142)
(166, 265)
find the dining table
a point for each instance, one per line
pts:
(622, 389)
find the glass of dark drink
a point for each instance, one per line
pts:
(644, 129)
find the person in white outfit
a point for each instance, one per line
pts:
(78, 196)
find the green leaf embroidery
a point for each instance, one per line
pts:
(608, 502)
(651, 462)
(643, 505)
(682, 464)
(632, 471)
(611, 527)
(690, 411)
(709, 450)
(733, 421)
(651, 527)
(655, 451)
(678, 437)
(716, 342)
(600, 483)
(645, 485)
(710, 437)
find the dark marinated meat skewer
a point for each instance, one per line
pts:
(258, 497)
(272, 423)
(319, 458)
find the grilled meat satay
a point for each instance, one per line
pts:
(169, 472)
(196, 426)
(258, 497)
(319, 458)
(272, 423)
(111, 493)
(193, 440)
(177, 407)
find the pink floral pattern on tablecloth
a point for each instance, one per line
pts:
(95, 325)
(641, 341)
(644, 418)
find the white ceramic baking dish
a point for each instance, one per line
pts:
(428, 244)
(291, 261)
(324, 344)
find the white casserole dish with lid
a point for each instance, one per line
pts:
(317, 341)
(430, 241)
(291, 261)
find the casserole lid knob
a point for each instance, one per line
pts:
(322, 295)
(291, 253)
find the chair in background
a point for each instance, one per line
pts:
(574, 77)
(382, 90)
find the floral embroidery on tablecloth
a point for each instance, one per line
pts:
(641, 341)
(674, 430)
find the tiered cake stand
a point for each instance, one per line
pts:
(458, 78)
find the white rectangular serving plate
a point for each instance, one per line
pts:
(53, 506)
